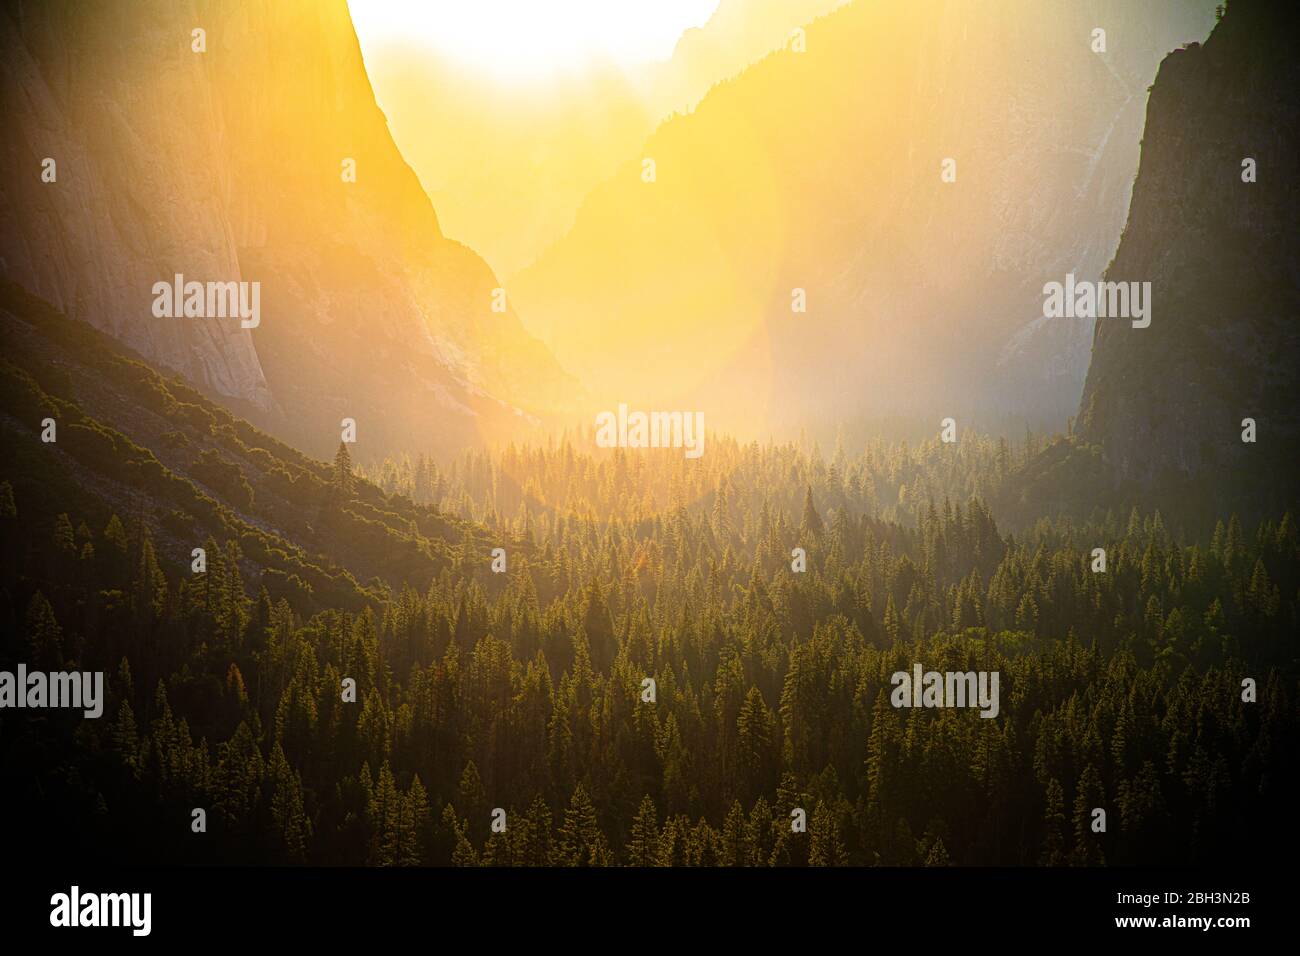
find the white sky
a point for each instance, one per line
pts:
(521, 38)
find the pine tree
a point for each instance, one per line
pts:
(536, 849)
(759, 835)
(238, 783)
(342, 483)
(471, 800)
(125, 741)
(754, 743)
(892, 623)
(383, 815)
(826, 847)
(643, 850)
(287, 806)
(811, 523)
(673, 840)
(938, 855)
(581, 842)
(1087, 845)
(44, 635)
(412, 825)
(234, 601)
(150, 585)
(735, 845)
(463, 851)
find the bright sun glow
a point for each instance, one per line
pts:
(522, 38)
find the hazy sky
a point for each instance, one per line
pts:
(522, 38)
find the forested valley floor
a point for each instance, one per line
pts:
(523, 690)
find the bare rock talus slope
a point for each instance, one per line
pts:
(227, 164)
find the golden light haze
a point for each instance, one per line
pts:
(787, 168)
(822, 170)
(522, 39)
(509, 150)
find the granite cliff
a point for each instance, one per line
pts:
(232, 162)
(1212, 226)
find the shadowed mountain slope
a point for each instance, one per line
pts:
(155, 452)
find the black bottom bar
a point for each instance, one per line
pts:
(243, 905)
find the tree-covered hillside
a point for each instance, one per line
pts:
(524, 689)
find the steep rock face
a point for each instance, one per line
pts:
(1166, 403)
(821, 171)
(228, 164)
(95, 240)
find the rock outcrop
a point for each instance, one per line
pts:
(1166, 404)
(231, 163)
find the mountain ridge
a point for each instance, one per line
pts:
(835, 189)
(230, 164)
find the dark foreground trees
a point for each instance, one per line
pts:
(505, 719)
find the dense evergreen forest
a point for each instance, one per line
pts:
(553, 654)
(523, 689)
